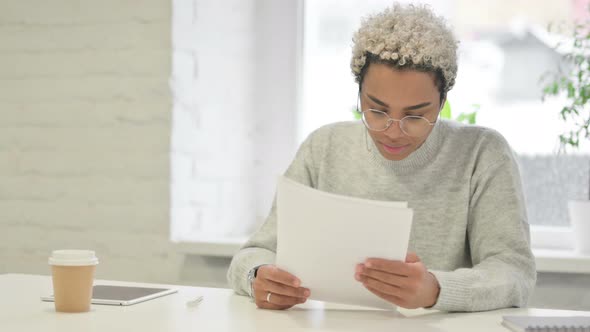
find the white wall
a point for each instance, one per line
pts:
(85, 135)
(234, 89)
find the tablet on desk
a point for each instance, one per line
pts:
(122, 295)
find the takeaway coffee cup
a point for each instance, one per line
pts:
(73, 275)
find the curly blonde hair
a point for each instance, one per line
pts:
(406, 37)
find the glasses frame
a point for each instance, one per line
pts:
(390, 120)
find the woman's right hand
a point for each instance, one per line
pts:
(284, 288)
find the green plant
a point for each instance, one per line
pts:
(356, 113)
(573, 81)
(469, 118)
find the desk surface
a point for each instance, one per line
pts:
(222, 310)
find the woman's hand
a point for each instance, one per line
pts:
(283, 287)
(407, 284)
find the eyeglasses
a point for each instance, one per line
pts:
(411, 125)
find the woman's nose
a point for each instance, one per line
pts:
(394, 130)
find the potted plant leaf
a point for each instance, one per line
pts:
(469, 118)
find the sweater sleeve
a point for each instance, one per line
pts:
(503, 272)
(261, 247)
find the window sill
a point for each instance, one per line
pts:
(222, 247)
(561, 261)
(548, 260)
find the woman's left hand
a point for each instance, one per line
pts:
(407, 284)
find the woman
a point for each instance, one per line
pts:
(469, 245)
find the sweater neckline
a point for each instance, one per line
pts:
(417, 159)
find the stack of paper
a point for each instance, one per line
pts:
(321, 237)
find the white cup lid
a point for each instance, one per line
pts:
(73, 258)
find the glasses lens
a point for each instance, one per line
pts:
(375, 120)
(415, 126)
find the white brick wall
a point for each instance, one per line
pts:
(85, 117)
(235, 83)
(212, 80)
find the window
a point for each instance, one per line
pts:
(238, 115)
(505, 49)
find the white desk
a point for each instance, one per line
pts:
(221, 310)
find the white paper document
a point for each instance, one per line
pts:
(321, 237)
